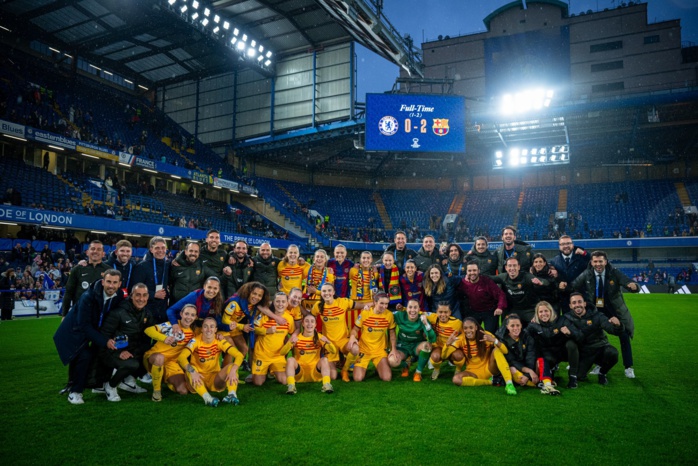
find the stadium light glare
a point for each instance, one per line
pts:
(236, 32)
(553, 158)
(241, 46)
(524, 152)
(195, 4)
(184, 9)
(194, 16)
(268, 54)
(523, 160)
(244, 37)
(233, 40)
(216, 29)
(542, 159)
(251, 52)
(216, 19)
(267, 63)
(498, 163)
(260, 57)
(226, 25)
(534, 159)
(261, 49)
(525, 100)
(253, 43)
(171, 2)
(498, 154)
(204, 22)
(207, 12)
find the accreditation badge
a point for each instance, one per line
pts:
(85, 285)
(599, 302)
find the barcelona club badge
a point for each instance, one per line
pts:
(440, 126)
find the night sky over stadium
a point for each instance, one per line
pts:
(425, 21)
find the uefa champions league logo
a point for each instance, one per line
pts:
(415, 143)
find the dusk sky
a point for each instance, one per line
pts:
(425, 21)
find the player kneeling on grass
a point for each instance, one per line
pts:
(333, 312)
(413, 336)
(126, 325)
(377, 325)
(521, 355)
(271, 337)
(161, 359)
(445, 326)
(309, 362)
(484, 357)
(204, 371)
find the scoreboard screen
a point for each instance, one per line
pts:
(415, 123)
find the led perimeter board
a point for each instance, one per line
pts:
(415, 123)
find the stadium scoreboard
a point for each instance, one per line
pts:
(415, 123)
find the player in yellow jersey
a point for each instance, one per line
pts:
(445, 325)
(318, 275)
(292, 273)
(204, 371)
(240, 310)
(484, 356)
(332, 311)
(271, 337)
(377, 326)
(309, 361)
(363, 280)
(161, 359)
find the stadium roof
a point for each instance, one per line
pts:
(150, 39)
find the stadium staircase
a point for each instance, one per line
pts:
(273, 214)
(519, 205)
(562, 201)
(683, 194)
(382, 211)
(457, 204)
(288, 194)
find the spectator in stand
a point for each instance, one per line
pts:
(8, 283)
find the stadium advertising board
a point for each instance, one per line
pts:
(87, 222)
(415, 123)
(13, 129)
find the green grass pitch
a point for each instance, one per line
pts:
(651, 419)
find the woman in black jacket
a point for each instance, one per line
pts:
(541, 270)
(550, 337)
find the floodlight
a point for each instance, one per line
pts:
(524, 160)
(236, 31)
(534, 159)
(534, 151)
(253, 43)
(194, 16)
(216, 19)
(261, 48)
(195, 4)
(226, 25)
(233, 40)
(207, 12)
(553, 158)
(216, 29)
(171, 2)
(183, 9)
(204, 22)
(498, 154)
(260, 57)
(498, 163)
(244, 37)
(524, 152)
(542, 159)
(268, 54)
(241, 46)
(267, 63)
(251, 52)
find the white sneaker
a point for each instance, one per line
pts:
(147, 378)
(430, 365)
(595, 371)
(75, 398)
(630, 373)
(135, 388)
(112, 393)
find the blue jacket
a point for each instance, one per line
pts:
(82, 323)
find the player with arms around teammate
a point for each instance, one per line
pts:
(413, 340)
(333, 312)
(161, 359)
(204, 370)
(377, 326)
(271, 337)
(309, 361)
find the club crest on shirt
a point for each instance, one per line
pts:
(588, 322)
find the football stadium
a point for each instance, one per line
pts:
(296, 232)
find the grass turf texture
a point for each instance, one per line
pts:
(646, 420)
